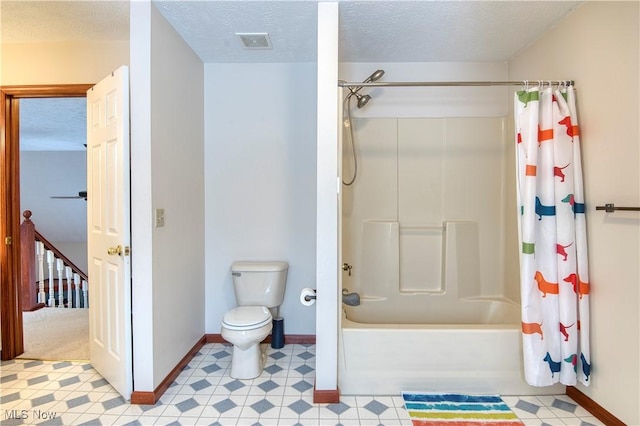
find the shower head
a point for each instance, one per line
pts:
(377, 75)
(363, 99)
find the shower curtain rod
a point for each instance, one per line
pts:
(342, 83)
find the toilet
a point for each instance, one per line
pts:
(259, 288)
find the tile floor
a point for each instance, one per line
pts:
(73, 393)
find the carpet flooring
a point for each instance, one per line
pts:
(56, 334)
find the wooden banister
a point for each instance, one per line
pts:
(59, 255)
(28, 237)
(28, 260)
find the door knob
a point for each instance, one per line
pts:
(347, 267)
(112, 251)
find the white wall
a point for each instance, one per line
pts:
(63, 222)
(260, 180)
(177, 168)
(61, 62)
(597, 46)
(328, 200)
(167, 142)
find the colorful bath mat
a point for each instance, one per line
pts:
(428, 409)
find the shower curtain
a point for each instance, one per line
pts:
(554, 278)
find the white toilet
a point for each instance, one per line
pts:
(259, 287)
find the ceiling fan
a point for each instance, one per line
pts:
(81, 194)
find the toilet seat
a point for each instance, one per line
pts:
(246, 318)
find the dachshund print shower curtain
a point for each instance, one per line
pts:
(554, 277)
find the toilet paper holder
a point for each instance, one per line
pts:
(310, 297)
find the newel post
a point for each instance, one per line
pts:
(28, 259)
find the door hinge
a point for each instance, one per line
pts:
(7, 241)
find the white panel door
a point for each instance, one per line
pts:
(109, 233)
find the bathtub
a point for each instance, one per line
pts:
(433, 344)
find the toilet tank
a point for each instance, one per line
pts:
(259, 283)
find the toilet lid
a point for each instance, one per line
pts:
(244, 317)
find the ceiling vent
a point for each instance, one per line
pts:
(255, 40)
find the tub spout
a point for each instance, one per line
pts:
(351, 299)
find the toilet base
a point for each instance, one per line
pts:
(247, 363)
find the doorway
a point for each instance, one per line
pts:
(11, 325)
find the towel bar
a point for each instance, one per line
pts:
(610, 208)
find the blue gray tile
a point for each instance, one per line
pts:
(225, 405)
(76, 402)
(69, 381)
(338, 408)
(221, 354)
(306, 355)
(99, 383)
(273, 369)
(9, 378)
(300, 406)
(302, 386)
(527, 406)
(31, 364)
(200, 384)
(211, 368)
(44, 399)
(187, 404)
(11, 397)
(564, 405)
(277, 355)
(376, 407)
(234, 385)
(304, 369)
(262, 406)
(60, 365)
(113, 403)
(36, 380)
(93, 422)
(268, 386)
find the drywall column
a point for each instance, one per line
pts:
(141, 203)
(327, 205)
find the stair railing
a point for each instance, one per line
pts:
(35, 251)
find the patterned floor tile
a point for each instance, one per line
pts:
(204, 394)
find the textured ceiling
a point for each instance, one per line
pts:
(53, 124)
(370, 31)
(443, 31)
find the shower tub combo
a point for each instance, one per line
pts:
(440, 337)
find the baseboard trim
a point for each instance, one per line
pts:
(593, 407)
(289, 339)
(329, 396)
(150, 398)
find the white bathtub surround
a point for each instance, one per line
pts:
(443, 337)
(483, 358)
(424, 230)
(554, 276)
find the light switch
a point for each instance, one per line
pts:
(159, 218)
